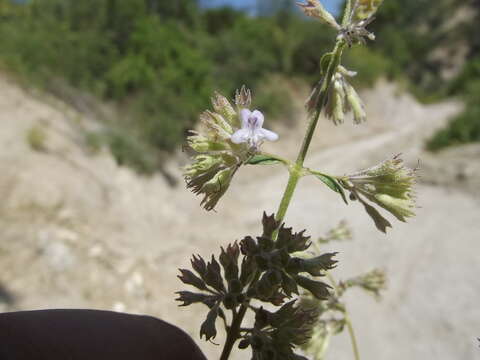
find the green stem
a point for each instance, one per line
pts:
(295, 174)
(347, 13)
(353, 338)
(296, 171)
(348, 321)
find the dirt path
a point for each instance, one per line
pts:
(78, 231)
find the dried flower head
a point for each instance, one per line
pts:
(339, 233)
(355, 29)
(389, 185)
(222, 147)
(373, 282)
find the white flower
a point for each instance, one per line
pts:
(252, 131)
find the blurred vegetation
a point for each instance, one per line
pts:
(464, 128)
(37, 138)
(157, 62)
(437, 48)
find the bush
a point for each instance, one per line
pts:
(464, 128)
(129, 151)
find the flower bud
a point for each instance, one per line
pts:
(315, 9)
(356, 104)
(342, 98)
(317, 288)
(243, 98)
(223, 107)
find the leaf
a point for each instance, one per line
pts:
(332, 184)
(262, 159)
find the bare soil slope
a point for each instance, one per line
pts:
(78, 231)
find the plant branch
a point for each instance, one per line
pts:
(348, 321)
(296, 172)
(297, 169)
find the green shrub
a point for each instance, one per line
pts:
(464, 128)
(129, 151)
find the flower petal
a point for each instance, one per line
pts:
(267, 134)
(260, 118)
(240, 136)
(245, 115)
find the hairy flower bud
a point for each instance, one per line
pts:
(315, 9)
(342, 98)
(223, 107)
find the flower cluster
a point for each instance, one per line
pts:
(229, 138)
(339, 233)
(373, 282)
(342, 98)
(353, 30)
(276, 334)
(268, 271)
(280, 271)
(389, 185)
(356, 32)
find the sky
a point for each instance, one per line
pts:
(331, 5)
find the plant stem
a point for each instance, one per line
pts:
(234, 332)
(353, 338)
(348, 321)
(296, 172)
(347, 13)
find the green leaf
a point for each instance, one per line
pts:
(262, 159)
(332, 184)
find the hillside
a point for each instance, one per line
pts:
(77, 230)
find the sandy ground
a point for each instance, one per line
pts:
(79, 231)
